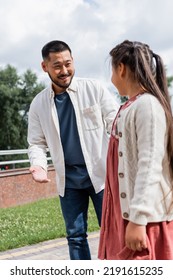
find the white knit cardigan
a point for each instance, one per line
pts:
(144, 181)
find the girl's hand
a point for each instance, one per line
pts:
(135, 237)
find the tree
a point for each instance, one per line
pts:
(16, 93)
(170, 80)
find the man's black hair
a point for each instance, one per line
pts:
(54, 46)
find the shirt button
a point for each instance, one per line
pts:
(120, 154)
(125, 215)
(120, 134)
(123, 195)
(121, 175)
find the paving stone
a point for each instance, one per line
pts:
(49, 250)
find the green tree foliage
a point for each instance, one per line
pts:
(16, 93)
(170, 80)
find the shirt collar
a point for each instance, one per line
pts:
(72, 86)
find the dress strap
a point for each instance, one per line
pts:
(114, 131)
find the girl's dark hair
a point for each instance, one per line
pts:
(54, 46)
(148, 70)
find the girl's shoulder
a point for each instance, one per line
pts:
(147, 97)
(146, 105)
(147, 101)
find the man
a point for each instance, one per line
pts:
(72, 117)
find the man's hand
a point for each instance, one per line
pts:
(39, 174)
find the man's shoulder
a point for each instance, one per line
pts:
(43, 93)
(88, 84)
(82, 80)
(41, 98)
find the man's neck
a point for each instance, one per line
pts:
(58, 90)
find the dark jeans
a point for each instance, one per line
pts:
(75, 211)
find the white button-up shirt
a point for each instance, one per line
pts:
(95, 108)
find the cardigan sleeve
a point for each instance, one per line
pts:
(150, 125)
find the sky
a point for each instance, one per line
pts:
(90, 27)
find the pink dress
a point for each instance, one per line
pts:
(112, 233)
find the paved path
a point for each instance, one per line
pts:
(49, 250)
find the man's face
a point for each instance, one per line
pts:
(60, 68)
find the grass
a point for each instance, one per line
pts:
(35, 222)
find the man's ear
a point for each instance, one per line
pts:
(44, 66)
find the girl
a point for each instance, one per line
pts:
(137, 219)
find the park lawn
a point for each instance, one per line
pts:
(35, 222)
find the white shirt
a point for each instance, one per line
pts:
(95, 108)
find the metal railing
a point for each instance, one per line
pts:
(15, 161)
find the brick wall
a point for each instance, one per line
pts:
(17, 187)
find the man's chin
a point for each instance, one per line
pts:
(65, 84)
(62, 84)
(60, 87)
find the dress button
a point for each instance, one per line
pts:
(120, 154)
(121, 175)
(120, 134)
(123, 195)
(125, 215)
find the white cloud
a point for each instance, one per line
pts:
(90, 27)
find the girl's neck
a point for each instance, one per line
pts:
(135, 90)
